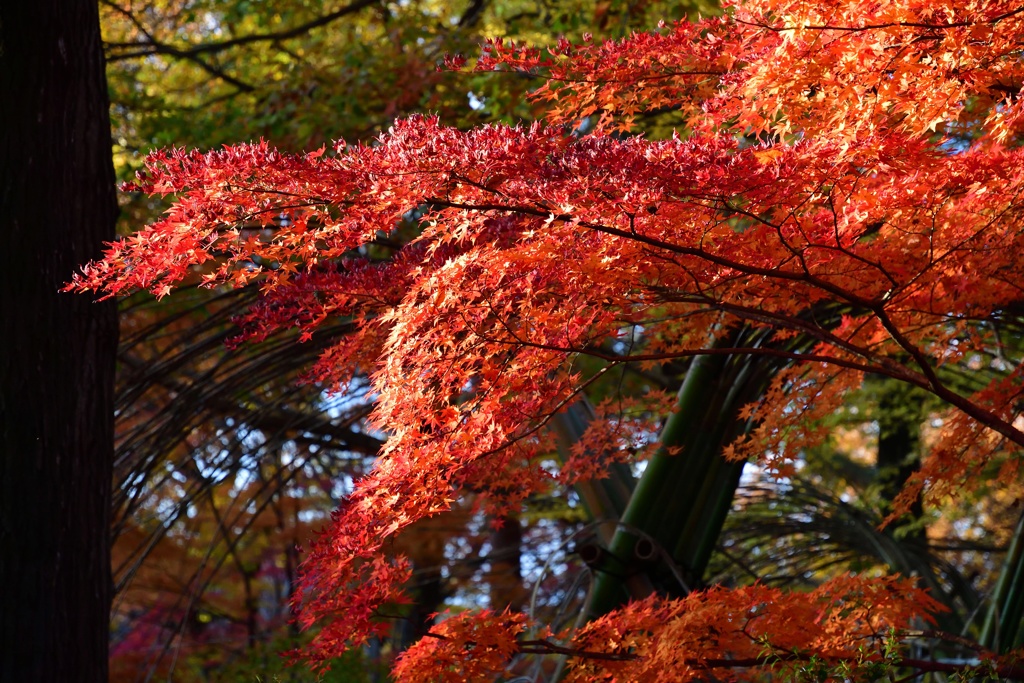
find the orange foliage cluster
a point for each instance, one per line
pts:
(726, 632)
(850, 176)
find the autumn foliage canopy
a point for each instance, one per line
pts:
(847, 175)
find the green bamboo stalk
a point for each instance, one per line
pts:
(604, 499)
(681, 501)
(1002, 629)
(695, 541)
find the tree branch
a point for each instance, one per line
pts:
(153, 47)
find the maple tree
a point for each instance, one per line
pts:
(849, 179)
(192, 414)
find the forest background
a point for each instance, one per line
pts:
(225, 464)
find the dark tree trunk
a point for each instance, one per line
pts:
(506, 577)
(57, 205)
(900, 413)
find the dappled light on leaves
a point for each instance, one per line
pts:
(849, 175)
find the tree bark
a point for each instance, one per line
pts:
(57, 205)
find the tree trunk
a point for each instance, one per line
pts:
(57, 205)
(506, 589)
